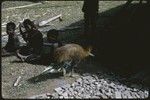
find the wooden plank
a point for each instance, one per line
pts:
(17, 81)
(49, 20)
(11, 8)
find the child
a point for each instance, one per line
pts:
(51, 44)
(13, 41)
(34, 39)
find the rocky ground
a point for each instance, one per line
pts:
(92, 81)
(96, 86)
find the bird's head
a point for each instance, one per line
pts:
(89, 50)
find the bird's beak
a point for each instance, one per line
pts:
(91, 54)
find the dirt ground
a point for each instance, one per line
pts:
(12, 68)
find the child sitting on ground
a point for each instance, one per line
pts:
(51, 44)
(13, 40)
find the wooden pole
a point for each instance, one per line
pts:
(11, 8)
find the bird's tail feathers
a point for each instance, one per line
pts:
(51, 69)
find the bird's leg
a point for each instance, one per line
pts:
(64, 72)
(72, 69)
(72, 73)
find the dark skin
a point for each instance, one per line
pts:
(23, 32)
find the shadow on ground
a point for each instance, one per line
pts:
(122, 41)
(120, 45)
(43, 77)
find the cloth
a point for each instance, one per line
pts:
(12, 44)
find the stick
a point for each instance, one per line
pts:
(49, 20)
(71, 28)
(17, 81)
(4, 24)
(46, 95)
(21, 6)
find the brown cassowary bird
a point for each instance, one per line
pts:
(68, 56)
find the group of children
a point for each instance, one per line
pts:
(34, 49)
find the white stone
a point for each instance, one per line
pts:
(61, 97)
(65, 95)
(59, 90)
(118, 95)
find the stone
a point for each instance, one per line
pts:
(104, 96)
(86, 74)
(61, 97)
(124, 95)
(136, 95)
(75, 92)
(141, 94)
(108, 93)
(92, 80)
(96, 83)
(79, 80)
(146, 94)
(78, 97)
(59, 90)
(86, 82)
(71, 97)
(88, 78)
(65, 95)
(66, 86)
(71, 90)
(82, 89)
(99, 85)
(91, 87)
(96, 78)
(91, 91)
(95, 97)
(55, 95)
(73, 84)
(133, 95)
(87, 96)
(77, 88)
(134, 89)
(118, 95)
(98, 93)
(129, 95)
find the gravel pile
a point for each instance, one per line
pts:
(91, 86)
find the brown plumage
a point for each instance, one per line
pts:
(71, 52)
(67, 57)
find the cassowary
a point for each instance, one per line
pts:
(67, 57)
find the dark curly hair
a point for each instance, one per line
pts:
(12, 24)
(53, 33)
(27, 23)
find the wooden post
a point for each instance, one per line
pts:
(90, 9)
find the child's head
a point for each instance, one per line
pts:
(52, 35)
(28, 24)
(10, 28)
